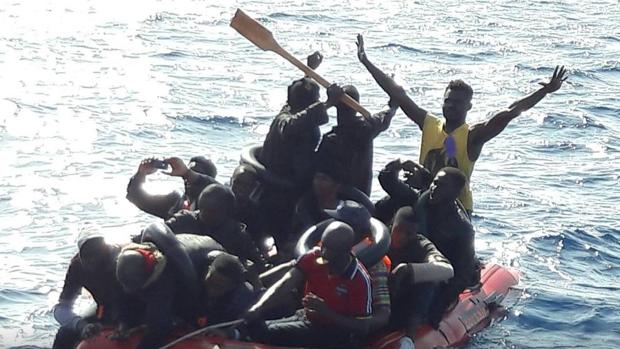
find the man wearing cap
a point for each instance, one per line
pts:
(156, 272)
(200, 173)
(92, 268)
(358, 217)
(334, 284)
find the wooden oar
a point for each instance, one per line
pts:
(262, 37)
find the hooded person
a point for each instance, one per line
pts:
(199, 173)
(350, 142)
(93, 269)
(162, 272)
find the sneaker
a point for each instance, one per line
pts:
(405, 343)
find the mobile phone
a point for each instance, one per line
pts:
(159, 164)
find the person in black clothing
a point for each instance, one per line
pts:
(444, 221)
(227, 293)
(244, 184)
(419, 269)
(92, 268)
(350, 143)
(200, 173)
(161, 271)
(400, 193)
(289, 150)
(215, 218)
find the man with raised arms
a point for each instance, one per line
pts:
(453, 142)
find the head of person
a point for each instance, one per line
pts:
(457, 100)
(345, 113)
(93, 251)
(216, 204)
(225, 274)
(336, 243)
(404, 228)
(326, 184)
(137, 265)
(202, 165)
(302, 93)
(243, 182)
(355, 215)
(447, 185)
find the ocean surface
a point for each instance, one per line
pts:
(89, 88)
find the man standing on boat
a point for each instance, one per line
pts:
(453, 142)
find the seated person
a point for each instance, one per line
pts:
(334, 284)
(159, 280)
(325, 194)
(444, 221)
(92, 268)
(200, 173)
(358, 217)
(400, 193)
(419, 271)
(350, 142)
(227, 295)
(215, 218)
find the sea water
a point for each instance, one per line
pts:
(90, 88)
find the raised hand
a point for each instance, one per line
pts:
(315, 59)
(177, 167)
(146, 167)
(334, 93)
(361, 52)
(559, 76)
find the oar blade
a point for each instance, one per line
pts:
(254, 31)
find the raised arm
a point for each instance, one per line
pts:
(485, 131)
(395, 91)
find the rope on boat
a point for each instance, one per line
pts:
(201, 330)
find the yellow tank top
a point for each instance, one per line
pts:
(437, 151)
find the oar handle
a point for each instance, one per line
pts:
(318, 78)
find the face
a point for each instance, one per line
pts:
(402, 234)
(455, 104)
(217, 284)
(336, 259)
(324, 185)
(211, 215)
(442, 189)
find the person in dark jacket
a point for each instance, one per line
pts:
(215, 217)
(445, 222)
(162, 272)
(350, 142)
(200, 173)
(419, 271)
(93, 269)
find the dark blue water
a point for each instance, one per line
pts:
(89, 88)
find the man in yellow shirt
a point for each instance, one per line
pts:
(453, 142)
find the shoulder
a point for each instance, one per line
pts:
(307, 261)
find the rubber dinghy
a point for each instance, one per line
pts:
(473, 313)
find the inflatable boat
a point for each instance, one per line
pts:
(473, 312)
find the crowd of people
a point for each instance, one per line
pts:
(204, 261)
